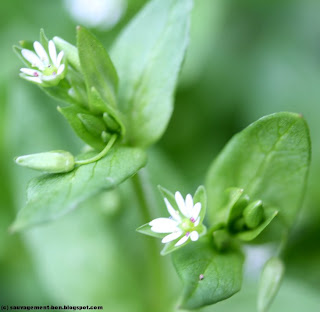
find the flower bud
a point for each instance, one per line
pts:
(52, 162)
(270, 281)
(105, 136)
(112, 125)
(253, 214)
(93, 124)
(221, 239)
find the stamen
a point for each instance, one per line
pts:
(35, 74)
(187, 234)
(192, 220)
(201, 277)
(49, 65)
(54, 73)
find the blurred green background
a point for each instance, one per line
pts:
(246, 59)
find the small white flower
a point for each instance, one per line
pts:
(182, 223)
(46, 70)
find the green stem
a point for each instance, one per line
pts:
(157, 272)
(101, 154)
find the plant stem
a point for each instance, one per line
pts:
(157, 273)
(101, 154)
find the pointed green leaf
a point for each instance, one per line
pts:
(71, 114)
(51, 196)
(97, 66)
(208, 276)
(269, 160)
(269, 284)
(148, 56)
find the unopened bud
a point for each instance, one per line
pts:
(93, 124)
(105, 136)
(112, 125)
(52, 162)
(253, 214)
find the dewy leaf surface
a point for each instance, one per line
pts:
(222, 273)
(269, 160)
(53, 195)
(148, 56)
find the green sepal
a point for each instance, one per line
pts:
(44, 40)
(200, 196)
(169, 196)
(78, 88)
(26, 44)
(70, 52)
(17, 50)
(253, 214)
(146, 229)
(52, 162)
(250, 234)
(71, 114)
(97, 67)
(269, 284)
(111, 124)
(221, 273)
(93, 124)
(105, 136)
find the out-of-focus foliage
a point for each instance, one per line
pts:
(246, 59)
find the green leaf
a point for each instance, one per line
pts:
(269, 284)
(71, 114)
(249, 235)
(221, 272)
(148, 56)
(269, 160)
(51, 196)
(97, 66)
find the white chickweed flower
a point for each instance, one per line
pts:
(46, 70)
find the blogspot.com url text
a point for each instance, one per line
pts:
(49, 307)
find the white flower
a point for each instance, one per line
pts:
(182, 223)
(46, 70)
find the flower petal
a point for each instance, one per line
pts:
(30, 72)
(194, 236)
(163, 225)
(53, 52)
(189, 203)
(60, 69)
(32, 58)
(33, 79)
(181, 204)
(196, 211)
(174, 213)
(182, 240)
(171, 237)
(59, 58)
(41, 52)
(197, 222)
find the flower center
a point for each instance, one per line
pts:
(187, 225)
(50, 70)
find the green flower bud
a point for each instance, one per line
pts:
(105, 136)
(270, 281)
(253, 214)
(93, 124)
(112, 125)
(239, 225)
(52, 162)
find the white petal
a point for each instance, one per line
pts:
(189, 203)
(33, 79)
(60, 69)
(59, 58)
(163, 225)
(194, 236)
(49, 78)
(30, 72)
(181, 204)
(174, 213)
(41, 52)
(32, 58)
(197, 222)
(195, 211)
(171, 237)
(53, 52)
(182, 240)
